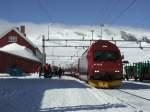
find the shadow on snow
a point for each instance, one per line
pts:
(25, 95)
(82, 107)
(134, 86)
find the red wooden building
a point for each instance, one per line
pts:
(7, 59)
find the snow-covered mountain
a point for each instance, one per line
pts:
(35, 31)
(108, 33)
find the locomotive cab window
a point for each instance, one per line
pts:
(105, 56)
(12, 39)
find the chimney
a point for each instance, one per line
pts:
(22, 30)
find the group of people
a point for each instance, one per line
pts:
(47, 71)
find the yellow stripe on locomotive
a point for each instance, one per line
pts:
(105, 84)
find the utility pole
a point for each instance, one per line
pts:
(92, 36)
(52, 62)
(101, 25)
(48, 32)
(43, 46)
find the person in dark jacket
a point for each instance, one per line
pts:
(50, 71)
(40, 70)
(60, 72)
(46, 71)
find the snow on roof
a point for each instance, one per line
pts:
(19, 50)
(14, 28)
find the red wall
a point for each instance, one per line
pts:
(20, 40)
(7, 60)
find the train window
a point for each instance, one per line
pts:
(105, 55)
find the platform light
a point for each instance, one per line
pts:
(96, 71)
(117, 71)
(104, 46)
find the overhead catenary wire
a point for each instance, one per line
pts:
(101, 12)
(109, 10)
(112, 8)
(44, 10)
(123, 12)
(106, 9)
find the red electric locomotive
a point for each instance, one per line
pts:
(101, 65)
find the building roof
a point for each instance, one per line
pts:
(14, 28)
(19, 50)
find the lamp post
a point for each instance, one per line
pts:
(101, 25)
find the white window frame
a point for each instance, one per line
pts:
(12, 39)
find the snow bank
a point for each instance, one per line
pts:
(4, 75)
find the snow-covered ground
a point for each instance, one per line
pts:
(33, 94)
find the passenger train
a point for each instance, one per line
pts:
(101, 65)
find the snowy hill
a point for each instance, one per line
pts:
(115, 33)
(56, 31)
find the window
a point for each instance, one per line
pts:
(105, 55)
(12, 39)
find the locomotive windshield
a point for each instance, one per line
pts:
(105, 55)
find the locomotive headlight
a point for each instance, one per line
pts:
(117, 71)
(96, 71)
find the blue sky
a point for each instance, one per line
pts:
(78, 12)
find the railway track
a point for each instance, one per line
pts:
(130, 99)
(132, 106)
(134, 95)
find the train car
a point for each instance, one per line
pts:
(139, 71)
(101, 65)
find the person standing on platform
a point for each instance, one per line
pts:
(40, 70)
(46, 70)
(60, 72)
